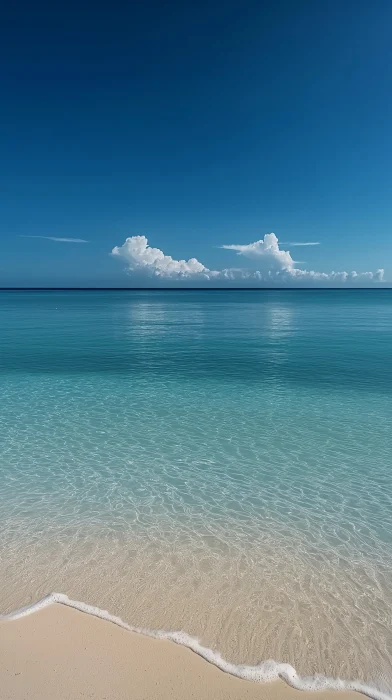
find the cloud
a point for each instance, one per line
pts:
(139, 255)
(267, 251)
(274, 266)
(59, 240)
(302, 243)
(280, 264)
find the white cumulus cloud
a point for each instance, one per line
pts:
(139, 255)
(267, 251)
(274, 265)
(280, 264)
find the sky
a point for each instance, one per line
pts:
(196, 143)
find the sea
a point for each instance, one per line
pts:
(217, 462)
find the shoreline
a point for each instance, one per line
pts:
(265, 676)
(250, 604)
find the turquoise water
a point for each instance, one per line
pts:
(227, 449)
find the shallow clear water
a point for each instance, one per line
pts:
(214, 461)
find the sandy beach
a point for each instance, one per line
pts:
(62, 653)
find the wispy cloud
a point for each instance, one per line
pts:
(275, 266)
(291, 243)
(58, 239)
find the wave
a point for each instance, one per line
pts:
(266, 671)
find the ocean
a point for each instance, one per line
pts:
(216, 462)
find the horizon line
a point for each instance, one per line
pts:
(193, 289)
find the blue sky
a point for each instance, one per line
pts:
(197, 126)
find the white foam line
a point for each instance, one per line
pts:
(264, 672)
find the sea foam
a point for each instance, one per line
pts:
(266, 671)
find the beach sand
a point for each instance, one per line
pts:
(61, 653)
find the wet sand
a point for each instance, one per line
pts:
(61, 653)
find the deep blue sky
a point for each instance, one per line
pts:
(195, 124)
